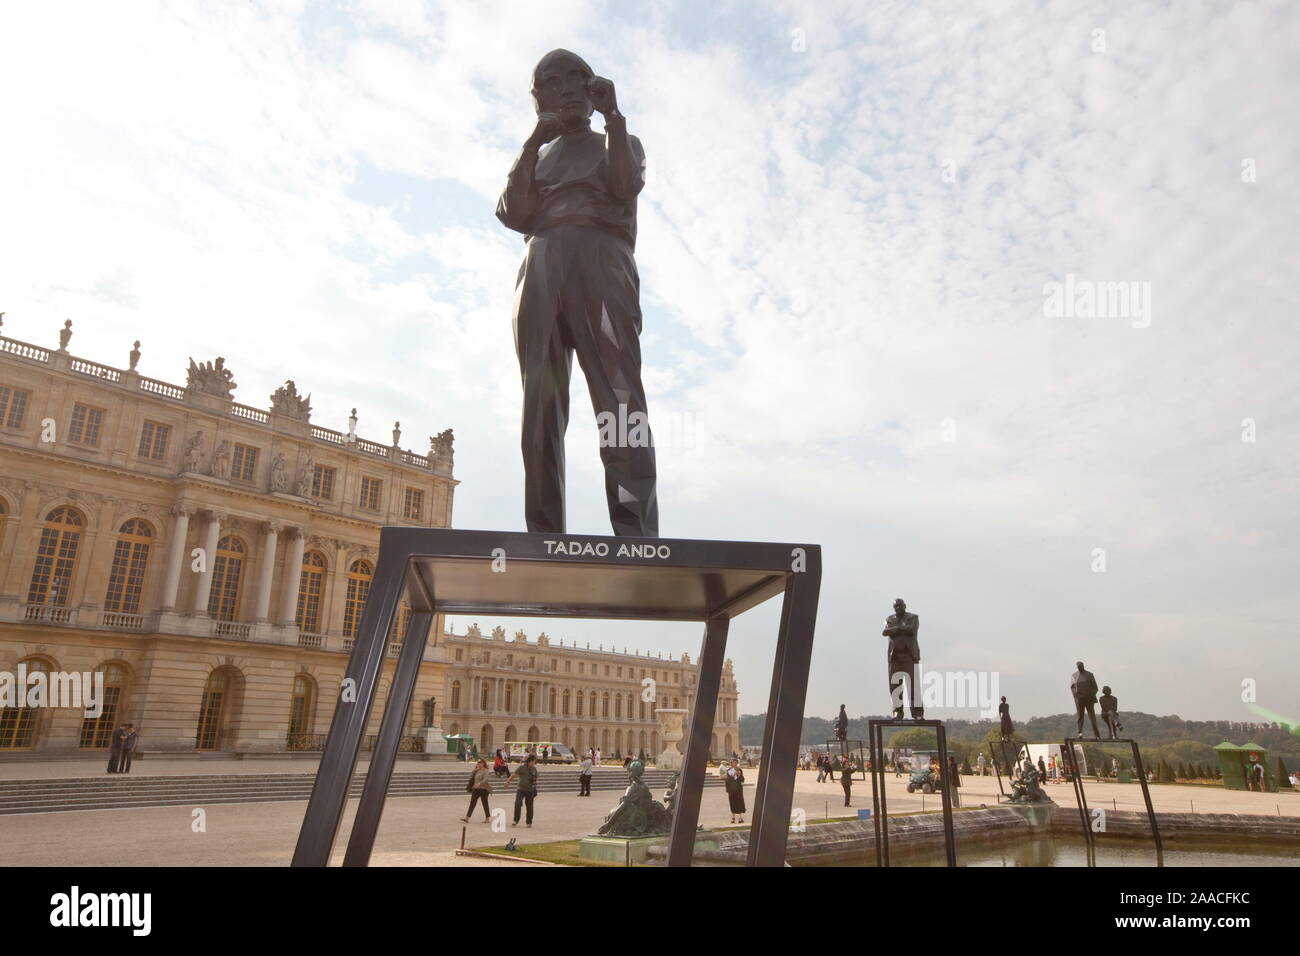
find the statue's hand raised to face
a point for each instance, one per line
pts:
(602, 95)
(548, 127)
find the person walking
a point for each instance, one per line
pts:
(115, 749)
(479, 787)
(527, 784)
(128, 747)
(584, 776)
(735, 783)
(1042, 770)
(954, 781)
(821, 769)
(981, 765)
(846, 779)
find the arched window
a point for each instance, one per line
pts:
(18, 724)
(455, 695)
(485, 737)
(640, 710)
(604, 705)
(56, 558)
(577, 742)
(618, 742)
(96, 731)
(532, 703)
(311, 586)
(534, 734)
(578, 700)
(566, 704)
(510, 696)
(618, 706)
(552, 701)
(130, 561)
(359, 575)
(592, 701)
(630, 698)
(483, 699)
(212, 710)
(227, 575)
(302, 706)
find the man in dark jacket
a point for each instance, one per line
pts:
(1084, 688)
(115, 749)
(128, 747)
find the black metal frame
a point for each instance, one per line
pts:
(452, 571)
(1076, 778)
(879, 803)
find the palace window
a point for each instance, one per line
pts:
(301, 707)
(130, 561)
(13, 406)
(483, 700)
(370, 490)
(322, 483)
(153, 440)
(455, 695)
(568, 667)
(604, 705)
(566, 703)
(413, 504)
(96, 732)
(618, 706)
(86, 423)
(212, 710)
(227, 573)
(243, 463)
(311, 585)
(578, 701)
(359, 575)
(18, 724)
(56, 558)
(460, 653)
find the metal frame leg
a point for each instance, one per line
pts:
(1080, 797)
(1146, 796)
(329, 794)
(366, 824)
(774, 795)
(690, 786)
(949, 842)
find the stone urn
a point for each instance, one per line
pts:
(670, 728)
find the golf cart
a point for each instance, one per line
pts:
(924, 774)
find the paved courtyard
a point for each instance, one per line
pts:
(424, 831)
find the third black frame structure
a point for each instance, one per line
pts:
(1081, 798)
(879, 804)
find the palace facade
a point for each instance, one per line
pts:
(503, 689)
(210, 558)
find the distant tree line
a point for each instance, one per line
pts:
(1184, 745)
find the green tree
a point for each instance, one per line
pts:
(1164, 773)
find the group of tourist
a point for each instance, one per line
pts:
(121, 748)
(480, 785)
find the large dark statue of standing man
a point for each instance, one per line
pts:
(904, 655)
(572, 192)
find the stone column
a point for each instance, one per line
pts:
(211, 535)
(266, 572)
(176, 556)
(292, 576)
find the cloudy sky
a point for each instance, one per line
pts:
(853, 217)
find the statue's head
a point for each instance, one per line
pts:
(1079, 664)
(1105, 690)
(635, 769)
(900, 606)
(560, 86)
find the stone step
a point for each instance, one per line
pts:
(159, 791)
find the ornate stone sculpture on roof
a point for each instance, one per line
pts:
(286, 401)
(211, 378)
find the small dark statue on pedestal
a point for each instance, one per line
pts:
(904, 655)
(1084, 688)
(638, 813)
(1025, 787)
(572, 192)
(1006, 729)
(842, 724)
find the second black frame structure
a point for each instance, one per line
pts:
(522, 574)
(879, 804)
(1081, 798)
